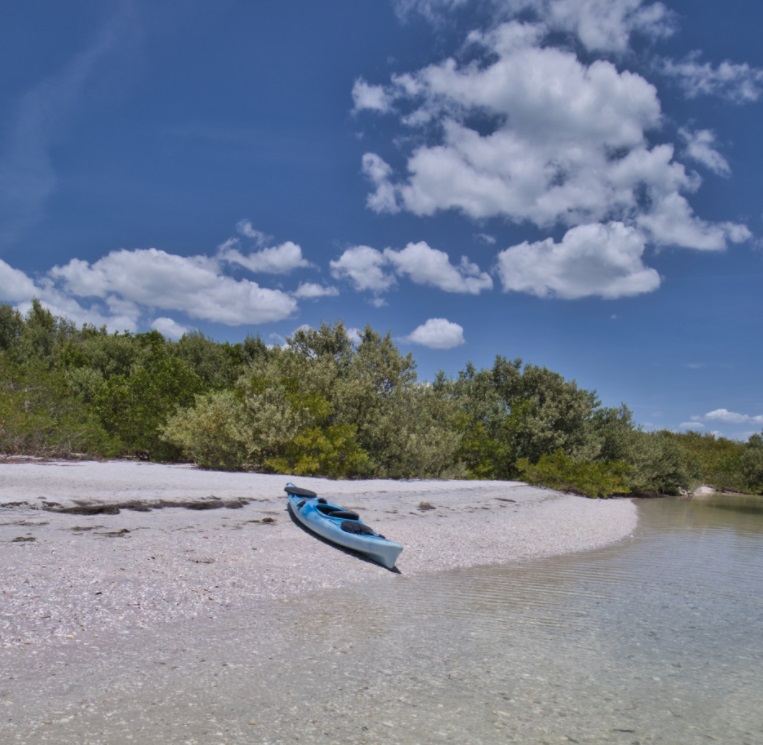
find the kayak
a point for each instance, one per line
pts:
(340, 526)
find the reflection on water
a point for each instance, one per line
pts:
(658, 639)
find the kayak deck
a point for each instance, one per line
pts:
(340, 526)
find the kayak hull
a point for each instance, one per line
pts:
(340, 526)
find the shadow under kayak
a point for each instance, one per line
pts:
(340, 526)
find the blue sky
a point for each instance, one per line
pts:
(573, 182)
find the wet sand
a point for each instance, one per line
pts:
(113, 546)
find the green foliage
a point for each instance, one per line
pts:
(711, 460)
(511, 412)
(11, 326)
(38, 416)
(217, 365)
(332, 452)
(592, 479)
(324, 407)
(751, 464)
(327, 406)
(657, 464)
(212, 432)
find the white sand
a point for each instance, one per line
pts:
(67, 574)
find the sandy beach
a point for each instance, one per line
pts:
(110, 546)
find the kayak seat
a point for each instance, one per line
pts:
(324, 509)
(344, 514)
(332, 511)
(353, 526)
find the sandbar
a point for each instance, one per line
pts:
(112, 546)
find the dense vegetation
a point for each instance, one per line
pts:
(326, 406)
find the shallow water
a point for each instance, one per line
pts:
(658, 639)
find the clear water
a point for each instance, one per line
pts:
(658, 639)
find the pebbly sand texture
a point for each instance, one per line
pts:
(120, 546)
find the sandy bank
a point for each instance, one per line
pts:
(67, 572)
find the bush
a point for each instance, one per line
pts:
(211, 433)
(562, 472)
(657, 464)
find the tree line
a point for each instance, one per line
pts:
(325, 405)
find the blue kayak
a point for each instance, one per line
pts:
(340, 526)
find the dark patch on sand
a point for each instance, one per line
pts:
(114, 533)
(87, 507)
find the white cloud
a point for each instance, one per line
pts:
(193, 285)
(437, 333)
(700, 147)
(370, 269)
(732, 417)
(607, 25)
(486, 238)
(600, 25)
(591, 260)
(15, 286)
(672, 222)
(430, 9)
(560, 141)
(737, 83)
(363, 266)
(280, 259)
(691, 425)
(169, 328)
(369, 97)
(311, 291)
(124, 287)
(378, 172)
(245, 228)
(428, 266)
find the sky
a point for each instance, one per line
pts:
(576, 183)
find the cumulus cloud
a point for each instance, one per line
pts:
(370, 97)
(428, 266)
(281, 259)
(591, 260)
(15, 286)
(607, 25)
(600, 25)
(123, 289)
(191, 284)
(732, 417)
(169, 328)
(519, 128)
(384, 196)
(370, 269)
(363, 266)
(311, 291)
(672, 222)
(437, 333)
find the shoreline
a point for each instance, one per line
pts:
(107, 546)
